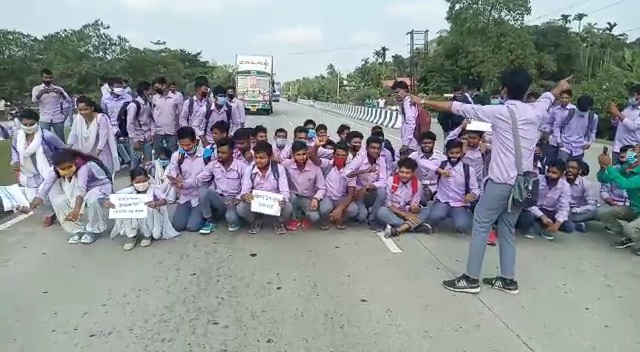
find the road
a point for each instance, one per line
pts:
(308, 291)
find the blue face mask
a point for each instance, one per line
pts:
(221, 100)
(190, 151)
(633, 102)
(163, 162)
(312, 134)
(631, 157)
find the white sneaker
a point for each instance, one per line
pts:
(88, 238)
(129, 244)
(145, 242)
(74, 239)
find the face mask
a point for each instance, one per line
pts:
(190, 151)
(454, 161)
(231, 96)
(312, 134)
(221, 100)
(159, 90)
(631, 157)
(118, 91)
(633, 102)
(164, 162)
(29, 129)
(68, 173)
(46, 83)
(339, 162)
(141, 187)
(281, 143)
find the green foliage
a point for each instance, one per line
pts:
(488, 36)
(81, 58)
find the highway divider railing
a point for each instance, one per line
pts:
(383, 117)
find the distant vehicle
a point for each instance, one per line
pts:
(277, 87)
(254, 82)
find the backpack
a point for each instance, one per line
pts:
(274, 171)
(423, 122)
(190, 110)
(467, 175)
(388, 146)
(396, 184)
(527, 184)
(207, 154)
(207, 115)
(122, 117)
(590, 123)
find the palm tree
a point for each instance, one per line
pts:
(331, 70)
(579, 17)
(610, 27)
(377, 55)
(565, 19)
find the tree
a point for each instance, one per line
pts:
(81, 57)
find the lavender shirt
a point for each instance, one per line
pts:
(140, 127)
(409, 123)
(574, 136)
(556, 200)
(111, 105)
(335, 180)
(198, 113)
(502, 168)
(427, 166)
(89, 177)
(265, 182)
(451, 190)
(377, 178)
(225, 181)
(307, 182)
(166, 113)
(188, 170)
(50, 105)
(628, 132)
(403, 197)
(582, 199)
(555, 113)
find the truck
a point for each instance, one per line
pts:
(276, 91)
(254, 82)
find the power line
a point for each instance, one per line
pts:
(606, 7)
(557, 11)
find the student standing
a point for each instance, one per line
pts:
(50, 99)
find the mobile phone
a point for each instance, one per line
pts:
(605, 150)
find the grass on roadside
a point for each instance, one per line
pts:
(7, 175)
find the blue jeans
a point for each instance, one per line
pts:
(461, 216)
(566, 156)
(387, 217)
(364, 213)
(302, 204)
(530, 225)
(187, 218)
(144, 152)
(212, 205)
(55, 127)
(492, 206)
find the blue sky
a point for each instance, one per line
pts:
(302, 35)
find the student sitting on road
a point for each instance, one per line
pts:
(300, 133)
(402, 211)
(370, 172)
(610, 193)
(551, 214)
(626, 177)
(221, 182)
(337, 206)
(262, 134)
(157, 170)
(388, 153)
(429, 160)
(183, 168)
(74, 185)
(242, 145)
(156, 225)
(310, 125)
(457, 190)
(219, 130)
(31, 151)
(322, 134)
(354, 139)
(475, 153)
(264, 174)
(281, 143)
(583, 202)
(307, 186)
(342, 132)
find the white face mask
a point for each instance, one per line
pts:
(118, 91)
(30, 129)
(141, 187)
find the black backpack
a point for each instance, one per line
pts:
(467, 175)
(122, 117)
(274, 171)
(207, 114)
(590, 123)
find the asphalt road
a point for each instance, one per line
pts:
(309, 291)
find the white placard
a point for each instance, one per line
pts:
(266, 203)
(12, 197)
(128, 206)
(478, 126)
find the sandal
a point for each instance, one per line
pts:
(341, 227)
(279, 227)
(324, 227)
(255, 227)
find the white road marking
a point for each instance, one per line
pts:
(290, 123)
(14, 221)
(393, 247)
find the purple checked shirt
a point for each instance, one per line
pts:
(306, 182)
(139, 123)
(336, 180)
(582, 199)
(403, 197)
(451, 190)
(628, 132)
(361, 163)
(198, 114)
(555, 113)
(216, 115)
(556, 200)
(409, 123)
(265, 182)
(111, 105)
(188, 170)
(502, 168)
(575, 136)
(427, 166)
(166, 113)
(50, 105)
(227, 182)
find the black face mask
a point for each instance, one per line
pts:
(159, 90)
(46, 83)
(454, 161)
(231, 96)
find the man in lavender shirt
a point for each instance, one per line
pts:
(494, 203)
(409, 113)
(51, 100)
(166, 113)
(111, 104)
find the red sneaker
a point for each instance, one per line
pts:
(291, 225)
(492, 238)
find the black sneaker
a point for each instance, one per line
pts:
(502, 284)
(462, 283)
(623, 243)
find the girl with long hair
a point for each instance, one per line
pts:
(91, 133)
(74, 186)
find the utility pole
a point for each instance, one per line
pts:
(338, 88)
(418, 50)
